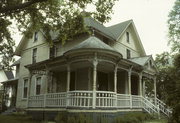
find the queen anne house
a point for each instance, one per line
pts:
(102, 72)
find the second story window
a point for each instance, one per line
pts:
(52, 52)
(34, 55)
(35, 36)
(25, 88)
(127, 37)
(128, 52)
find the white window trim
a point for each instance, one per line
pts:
(26, 78)
(36, 83)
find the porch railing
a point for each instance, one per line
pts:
(103, 99)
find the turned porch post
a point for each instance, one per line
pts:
(115, 83)
(140, 84)
(68, 84)
(115, 79)
(95, 63)
(129, 84)
(155, 91)
(29, 87)
(68, 78)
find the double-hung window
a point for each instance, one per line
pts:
(38, 85)
(128, 52)
(34, 55)
(25, 88)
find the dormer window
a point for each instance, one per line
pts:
(127, 37)
(128, 52)
(35, 36)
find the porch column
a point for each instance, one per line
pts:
(68, 78)
(115, 83)
(144, 88)
(155, 92)
(129, 84)
(95, 63)
(140, 84)
(129, 81)
(29, 87)
(68, 84)
(115, 79)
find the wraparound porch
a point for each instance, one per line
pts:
(84, 100)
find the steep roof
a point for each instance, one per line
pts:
(119, 28)
(140, 60)
(94, 24)
(93, 43)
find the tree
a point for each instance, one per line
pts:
(65, 17)
(174, 27)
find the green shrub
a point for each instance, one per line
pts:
(135, 117)
(75, 118)
(61, 117)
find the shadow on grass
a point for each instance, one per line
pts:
(17, 118)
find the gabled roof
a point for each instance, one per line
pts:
(118, 29)
(140, 60)
(90, 22)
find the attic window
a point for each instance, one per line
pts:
(127, 37)
(128, 52)
(150, 63)
(35, 36)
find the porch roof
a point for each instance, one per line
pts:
(140, 60)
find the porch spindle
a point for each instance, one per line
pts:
(95, 62)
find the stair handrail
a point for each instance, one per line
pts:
(149, 106)
(163, 107)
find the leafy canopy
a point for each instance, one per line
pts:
(174, 27)
(65, 17)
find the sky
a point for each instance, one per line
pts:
(150, 18)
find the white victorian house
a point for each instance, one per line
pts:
(102, 72)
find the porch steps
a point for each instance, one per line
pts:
(9, 111)
(156, 107)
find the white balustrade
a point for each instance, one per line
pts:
(105, 99)
(136, 101)
(80, 99)
(36, 101)
(56, 99)
(123, 101)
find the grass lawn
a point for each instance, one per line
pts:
(156, 121)
(16, 119)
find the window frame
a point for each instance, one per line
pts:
(127, 37)
(35, 36)
(23, 94)
(128, 53)
(34, 56)
(39, 85)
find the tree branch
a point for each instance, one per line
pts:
(12, 8)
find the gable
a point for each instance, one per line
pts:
(134, 40)
(27, 43)
(147, 62)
